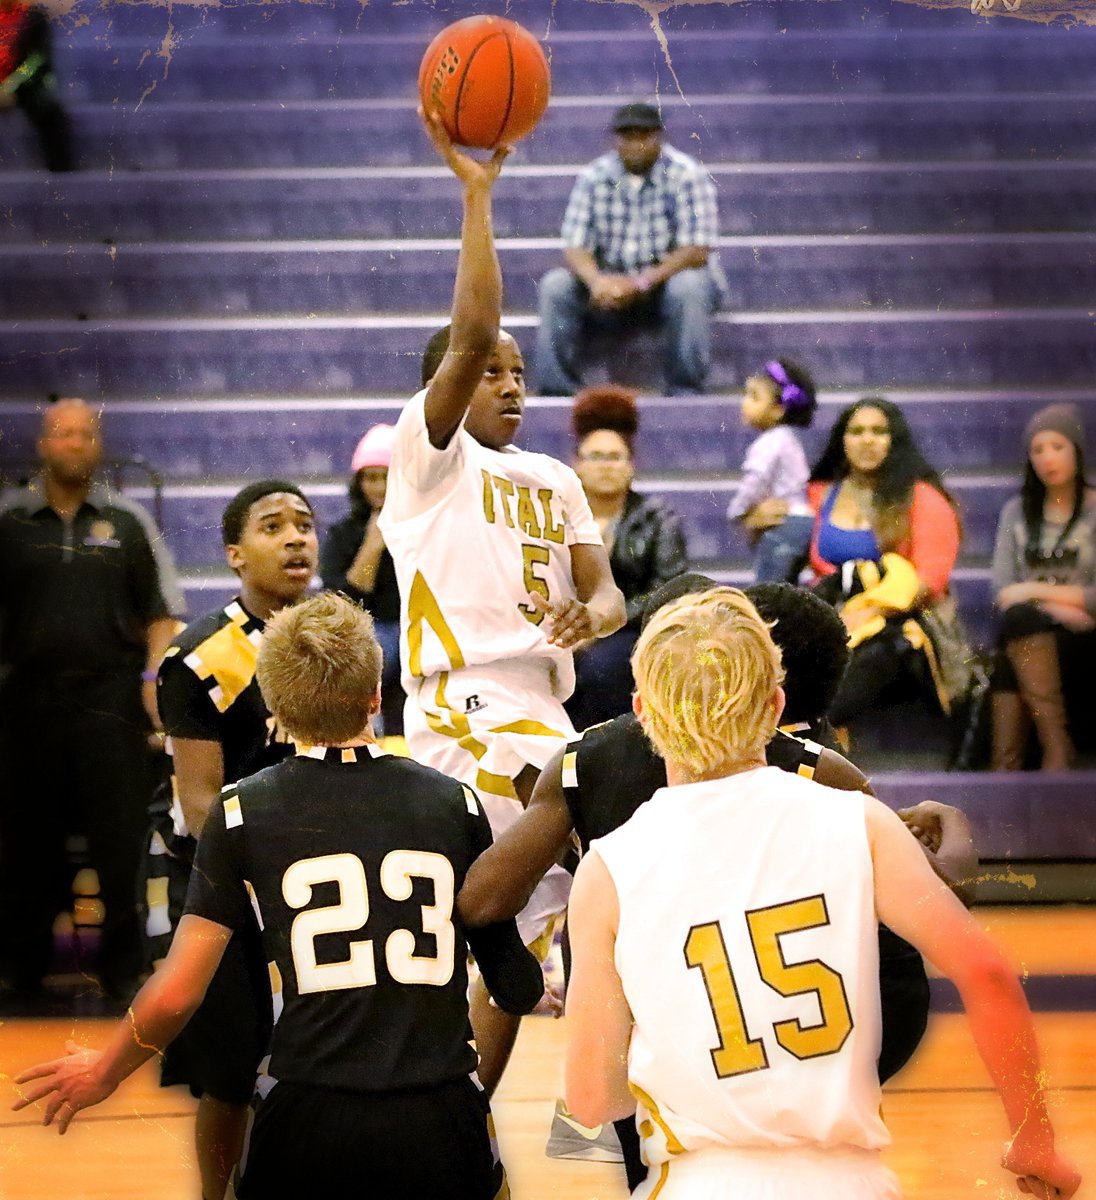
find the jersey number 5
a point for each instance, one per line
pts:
(398, 869)
(738, 1053)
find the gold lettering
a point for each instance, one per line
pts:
(527, 515)
(553, 532)
(506, 491)
(488, 498)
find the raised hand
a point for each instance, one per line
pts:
(467, 169)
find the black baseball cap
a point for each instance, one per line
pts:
(637, 116)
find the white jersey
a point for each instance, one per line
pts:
(747, 950)
(473, 532)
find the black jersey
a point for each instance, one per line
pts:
(207, 691)
(613, 769)
(351, 860)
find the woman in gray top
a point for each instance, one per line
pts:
(1044, 579)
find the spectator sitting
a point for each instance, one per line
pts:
(885, 543)
(27, 79)
(1044, 579)
(644, 540)
(639, 236)
(771, 499)
(354, 561)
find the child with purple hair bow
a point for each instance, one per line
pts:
(771, 499)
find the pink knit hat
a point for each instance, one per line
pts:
(375, 448)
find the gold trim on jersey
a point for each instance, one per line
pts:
(663, 1175)
(276, 998)
(158, 921)
(673, 1145)
(423, 608)
(569, 769)
(537, 728)
(228, 657)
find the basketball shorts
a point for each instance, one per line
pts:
(399, 1145)
(219, 1050)
(756, 1174)
(483, 725)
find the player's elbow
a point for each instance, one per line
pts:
(591, 1098)
(984, 977)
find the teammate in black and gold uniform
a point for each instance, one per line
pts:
(351, 860)
(220, 730)
(594, 785)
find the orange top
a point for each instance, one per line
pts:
(932, 544)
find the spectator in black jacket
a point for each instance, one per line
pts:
(354, 561)
(644, 538)
(28, 82)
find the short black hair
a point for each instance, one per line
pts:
(436, 349)
(234, 517)
(813, 642)
(673, 589)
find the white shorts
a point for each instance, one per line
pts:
(808, 1173)
(483, 725)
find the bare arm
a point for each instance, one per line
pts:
(599, 1021)
(918, 907)
(599, 609)
(684, 258)
(500, 882)
(477, 293)
(199, 770)
(158, 636)
(158, 1013)
(362, 572)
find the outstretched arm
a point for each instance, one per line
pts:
(918, 907)
(477, 293)
(500, 882)
(159, 1011)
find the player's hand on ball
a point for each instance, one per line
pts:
(567, 623)
(70, 1082)
(467, 169)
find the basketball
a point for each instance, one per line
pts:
(489, 80)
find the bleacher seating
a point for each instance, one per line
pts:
(261, 239)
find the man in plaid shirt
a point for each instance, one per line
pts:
(639, 240)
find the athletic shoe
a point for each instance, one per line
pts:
(569, 1139)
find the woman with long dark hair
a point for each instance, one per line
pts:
(885, 542)
(355, 561)
(1044, 580)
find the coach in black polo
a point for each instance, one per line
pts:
(87, 607)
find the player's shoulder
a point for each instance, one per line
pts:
(623, 731)
(198, 633)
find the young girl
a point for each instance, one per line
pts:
(771, 500)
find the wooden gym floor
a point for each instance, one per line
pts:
(945, 1119)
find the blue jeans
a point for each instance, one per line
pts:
(683, 306)
(390, 720)
(782, 550)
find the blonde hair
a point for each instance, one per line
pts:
(318, 669)
(706, 669)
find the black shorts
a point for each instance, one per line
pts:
(402, 1145)
(219, 1051)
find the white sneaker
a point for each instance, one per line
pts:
(569, 1139)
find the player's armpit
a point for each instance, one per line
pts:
(499, 883)
(511, 973)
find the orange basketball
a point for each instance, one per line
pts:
(488, 78)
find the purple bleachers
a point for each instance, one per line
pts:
(743, 128)
(755, 199)
(214, 279)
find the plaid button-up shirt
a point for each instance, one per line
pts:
(627, 227)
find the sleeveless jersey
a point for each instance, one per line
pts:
(747, 952)
(350, 860)
(472, 533)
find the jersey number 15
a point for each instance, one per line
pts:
(398, 870)
(738, 1053)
